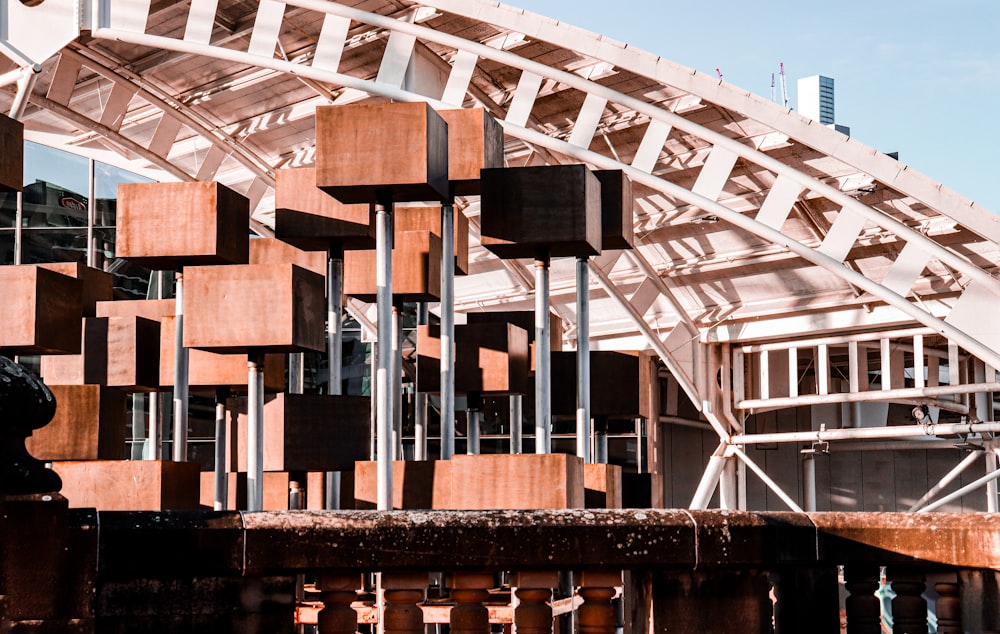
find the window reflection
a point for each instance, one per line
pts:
(55, 216)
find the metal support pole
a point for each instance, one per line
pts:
(709, 480)
(180, 375)
(516, 430)
(139, 438)
(601, 445)
(152, 449)
(383, 354)
(809, 482)
(543, 368)
(727, 486)
(582, 359)
(91, 216)
(420, 403)
(255, 431)
(396, 376)
(447, 332)
(221, 473)
(334, 350)
(472, 440)
(991, 486)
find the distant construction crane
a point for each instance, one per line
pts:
(784, 85)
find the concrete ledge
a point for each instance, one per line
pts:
(281, 542)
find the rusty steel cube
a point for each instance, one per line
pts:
(607, 368)
(491, 359)
(89, 425)
(429, 219)
(11, 154)
(529, 481)
(551, 209)
(305, 432)
(310, 219)
(41, 313)
(274, 251)
(121, 352)
(475, 142)
(416, 269)
(208, 371)
(264, 307)
(154, 309)
(130, 485)
(98, 285)
(616, 210)
(170, 225)
(393, 149)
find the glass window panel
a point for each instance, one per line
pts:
(55, 188)
(107, 178)
(6, 246)
(8, 209)
(53, 245)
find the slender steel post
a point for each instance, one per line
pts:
(152, 449)
(221, 473)
(447, 331)
(420, 402)
(516, 431)
(180, 375)
(255, 431)
(139, 437)
(601, 445)
(809, 482)
(334, 350)
(583, 359)
(472, 440)
(991, 485)
(383, 353)
(396, 377)
(91, 216)
(543, 368)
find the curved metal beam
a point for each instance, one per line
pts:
(748, 224)
(677, 121)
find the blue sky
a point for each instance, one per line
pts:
(921, 78)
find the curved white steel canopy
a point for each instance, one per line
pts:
(752, 221)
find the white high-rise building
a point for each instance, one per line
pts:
(816, 101)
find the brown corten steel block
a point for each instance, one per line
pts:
(429, 358)
(491, 359)
(267, 307)
(429, 219)
(525, 319)
(236, 490)
(274, 251)
(11, 154)
(416, 269)
(614, 384)
(167, 225)
(306, 432)
(552, 208)
(130, 485)
(155, 309)
(602, 486)
(524, 481)
(41, 313)
(89, 425)
(412, 484)
(98, 286)
(616, 210)
(119, 352)
(208, 370)
(475, 142)
(395, 148)
(310, 219)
